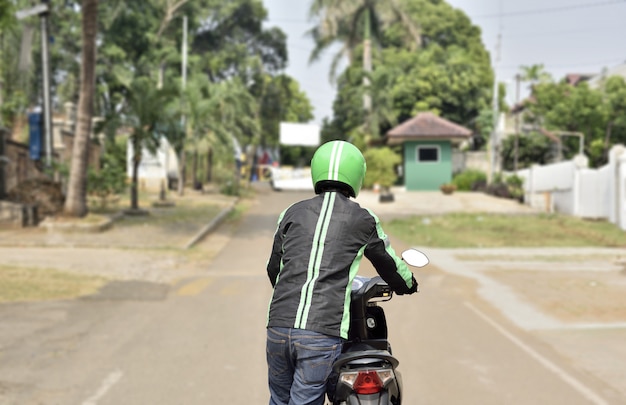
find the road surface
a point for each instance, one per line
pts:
(201, 340)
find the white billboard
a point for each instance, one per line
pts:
(295, 134)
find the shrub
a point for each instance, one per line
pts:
(507, 187)
(467, 180)
(381, 167)
(110, 180)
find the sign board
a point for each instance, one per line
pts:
(295, 134)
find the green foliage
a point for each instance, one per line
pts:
(60, 169)
(233, 41)
(449, 74)
(469, 179)
(6, 13)
(535, 74)
(381, 167)
(228, 181)
(297, 156)
(533, 148)
(282, 100)
(109, 180)
(515, 185)
(562, 107)
(510, 186)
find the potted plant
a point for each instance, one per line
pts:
(381, 164)
(447, 188)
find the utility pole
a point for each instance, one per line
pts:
(494, 132)
(43, 11)
(517, 113)
(181, 160)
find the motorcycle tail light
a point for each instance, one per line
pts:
(367, 382)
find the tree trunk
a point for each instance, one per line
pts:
(607, 139)
(209, 165)
(181, 172)
(134, 185)
(76, 201)
(367, 67)
(367, 85)
(194, 174)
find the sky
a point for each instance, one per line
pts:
(566, 36)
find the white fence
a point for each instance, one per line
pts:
(572, 188)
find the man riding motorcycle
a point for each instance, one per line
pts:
(317, 248)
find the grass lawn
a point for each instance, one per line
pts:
(35, 284)
(489, 230)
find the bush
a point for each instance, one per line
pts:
(110, 180)
(468, 179)
(507, 187)
(381, 165)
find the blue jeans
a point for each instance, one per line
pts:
(299, 362)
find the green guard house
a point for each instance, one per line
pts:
(428, 141)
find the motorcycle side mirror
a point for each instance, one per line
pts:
(415, 258)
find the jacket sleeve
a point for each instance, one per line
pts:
(273, 264)
(389, 266)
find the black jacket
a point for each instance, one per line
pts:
(315, 256)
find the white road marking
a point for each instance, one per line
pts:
(106, 385)
(571, 381)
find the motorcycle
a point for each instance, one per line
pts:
(366, 371)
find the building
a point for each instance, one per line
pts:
(428, 143)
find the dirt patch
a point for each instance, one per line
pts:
(571, 296)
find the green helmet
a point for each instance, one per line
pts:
(338, 163)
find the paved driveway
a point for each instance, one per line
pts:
(435, 202)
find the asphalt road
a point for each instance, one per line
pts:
(202, 340)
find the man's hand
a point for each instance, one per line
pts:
(411, 290)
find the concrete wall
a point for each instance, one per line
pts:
(17, 165)
(574, 189)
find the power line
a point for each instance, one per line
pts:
(548, 66)
(550, 9)
(562, 32)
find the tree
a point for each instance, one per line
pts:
(76, 201)
(615, 98)
(145, 114)
(5, 21)
(232, 42)
(534, 148)
(534, 74)
(217, 112)
(449, 74)
(359, 21)
(562, 107)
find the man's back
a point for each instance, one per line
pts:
(317, 249)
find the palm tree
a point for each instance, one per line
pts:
(534, 74)
(145, 113)
(352, 22)
(76, 202)
(215, 113)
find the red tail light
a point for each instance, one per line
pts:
(367, 382)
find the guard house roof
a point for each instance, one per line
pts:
(427, 126)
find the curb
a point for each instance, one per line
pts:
(101, 225)
(211, 226)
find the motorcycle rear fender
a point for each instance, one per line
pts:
(375, 355)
